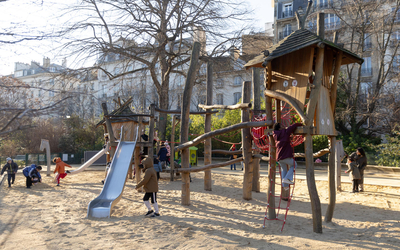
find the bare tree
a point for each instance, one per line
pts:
(369, 29)
(156, 34)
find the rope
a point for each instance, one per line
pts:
(291, 191)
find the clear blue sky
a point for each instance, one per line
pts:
(40, 15)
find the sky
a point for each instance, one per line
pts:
(34, 14)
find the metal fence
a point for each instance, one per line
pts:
(41, 159)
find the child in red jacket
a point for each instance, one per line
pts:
(60, 169)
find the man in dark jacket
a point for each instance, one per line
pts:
(150, 184)
(11, 167)
(162, 155)
(284, 152)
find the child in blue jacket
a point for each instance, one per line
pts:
(32, 174)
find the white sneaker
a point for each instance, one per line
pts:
(287, 181)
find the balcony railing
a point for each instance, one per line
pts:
(366, 72)
(287, 13)
(367, 46)
(332, 26)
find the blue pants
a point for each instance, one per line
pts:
(10, 179)
(286, 164)
(233, 166)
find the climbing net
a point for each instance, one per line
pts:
(288, 116)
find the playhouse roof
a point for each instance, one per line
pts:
(121, 114)
(300, 39)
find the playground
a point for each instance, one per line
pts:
(49, 217)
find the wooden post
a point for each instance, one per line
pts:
(339, 154)
(321, 25)
(151, 131)
(207, 128)
(331, 180)
(256, 106)
(271, 213)
(172, 164)
(312, 189)
(136, 159)
(246, 144)
(187, 94)
(338, 63)
(308, 146)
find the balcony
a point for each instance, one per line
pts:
(367, 46)
(366, 72)
(287, 14)
(332, 26)
(284, 34)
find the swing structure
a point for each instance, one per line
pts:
(302, 71)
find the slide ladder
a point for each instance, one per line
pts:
(114, 184)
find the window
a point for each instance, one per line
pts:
(397, 15)
(366, 68)
(287, 30)
(178, 105)
(367, 41)
(117, 70)
(237, 80)
(220, 99)
(236, 97)
(51, 82)
(287, 10)
(323, 4)
(219, 83)
(332, 21)
(19, 73)
(32, 71)
(51, 93)
(52, 69)
(396, 64)
(40, 93)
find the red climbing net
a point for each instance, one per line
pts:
(288, 117)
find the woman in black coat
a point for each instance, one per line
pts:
(361, 160)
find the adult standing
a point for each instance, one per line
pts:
(361, 160)
(284, 152)
(11, 167)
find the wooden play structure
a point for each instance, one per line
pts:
(126, 118)
(301, 71)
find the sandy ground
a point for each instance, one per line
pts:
(50, 217)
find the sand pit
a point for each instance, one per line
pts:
(50, 217)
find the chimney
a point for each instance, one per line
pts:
(234, 52)
(46, 62)
(199, 35)
(321, 25)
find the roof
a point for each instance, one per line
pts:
(300, 39)
(121, 114)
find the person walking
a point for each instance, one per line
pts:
(11, 167)
(354, 173)
(233, 148)
(361, 161)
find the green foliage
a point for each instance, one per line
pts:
(80, 135)
(356, 140)
(388, 154)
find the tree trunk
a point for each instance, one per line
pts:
(164, 102)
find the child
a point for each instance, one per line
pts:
(32, 175)
(162, 155)
(11, 167)
(354, 173)
(60, 168)
(150, 186)
(233, 148)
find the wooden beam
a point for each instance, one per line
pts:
(256, 106)
(179, 112)
(172, 163)
(321, 25)
(215, 165)
(231, 107)
(338, 63)
(226, 152)
(315, 155)
(261, 157)
(288, 99)
(298, 131)
(187, 95)
(216, 132)
(207, 128)
(331, 181)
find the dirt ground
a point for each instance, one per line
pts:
(50, 217)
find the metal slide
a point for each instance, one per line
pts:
(91, 161)
(114, 184)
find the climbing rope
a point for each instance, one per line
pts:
(273, 196)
